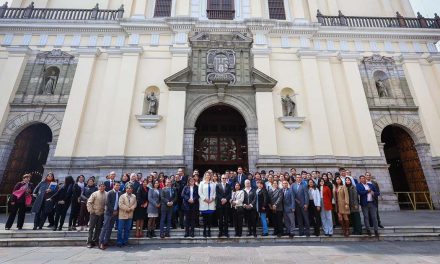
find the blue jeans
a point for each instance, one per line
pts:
(165, 220)
(124, 226)
(264, 223)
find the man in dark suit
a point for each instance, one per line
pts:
(110, 215)
(376, 199)
(168, 197)
(110, 182)
(367, 193)
(241, 177)
(301, 204)
(222, 196)
(289, 208)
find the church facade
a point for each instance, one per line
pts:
(154, 85)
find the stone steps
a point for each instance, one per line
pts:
(40, 238)
(81, 241)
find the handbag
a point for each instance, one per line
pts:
(19, 193)
(28, 200)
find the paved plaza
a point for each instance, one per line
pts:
(363, 252)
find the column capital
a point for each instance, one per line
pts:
(433, 58)
(88, 52)
(349, 56)
(409, 57)
(180, 51)
(307, 54)
(132, 50)
(16, 51)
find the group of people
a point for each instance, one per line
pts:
(283, 201)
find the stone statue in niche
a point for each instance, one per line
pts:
(288, 106)
(153, 102)
(51, 80)
(381, 88)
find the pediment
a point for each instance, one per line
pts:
(55, 53)
(222, 39)
(261, 80)
(378, 59)
(179, 80)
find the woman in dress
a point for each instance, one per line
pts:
(342, 202)
(42, 209)
(153, 208)
(207, 202)
(140, 213)
(20, 198)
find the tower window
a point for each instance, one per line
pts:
(162, 8)
(276, 9)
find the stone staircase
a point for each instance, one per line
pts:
(43, 238)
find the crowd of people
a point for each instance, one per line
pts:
(284, 201)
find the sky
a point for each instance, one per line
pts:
(426, 7)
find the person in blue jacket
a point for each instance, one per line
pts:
(367, 193)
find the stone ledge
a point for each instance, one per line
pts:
(292, 122)
(148, 121)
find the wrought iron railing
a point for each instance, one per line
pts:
(4, 202)
(220, 14)
(381, 22)
(31, 12)
(416, 200)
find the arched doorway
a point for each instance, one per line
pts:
(220, 141)
(404, 164)
(28, 155)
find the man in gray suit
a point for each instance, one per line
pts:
(301, 204)
(289, 209)
(110, 215)
(168, 198)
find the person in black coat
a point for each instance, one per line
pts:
(223, 196)
(75, 203)
(140, 213)
(241, 177)
(18, 204)
(62, 199)
(178, 215)
(190, 198)
(261, 205)
(249, 205)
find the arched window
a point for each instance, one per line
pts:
(276, 9)
(221, 9)
(49, 80)
(382, 83)
(163, 8)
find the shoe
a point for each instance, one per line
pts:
(162, 235)
(219, 235)
(89, 245)
(153, 234)
(227, 235)
(35, 228)
(369, 233)
(50, 225)
(167, 235)
(255, 235)
(19, 228)
(265, 234)
(40, 228)
(291, 235)
(249, 234)
(376, 234)
(54, 228)
(7, 228)
(101, 246)
(381, 226)
(60, 228)
(69, 228)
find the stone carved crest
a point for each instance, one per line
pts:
(56, 56)
(220, 66)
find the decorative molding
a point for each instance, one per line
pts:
(292, 122)
(148, 121)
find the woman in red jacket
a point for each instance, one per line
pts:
(326, 208)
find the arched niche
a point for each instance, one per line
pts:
(49, 80)
(147, 99)
(382, 83)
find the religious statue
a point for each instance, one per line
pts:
(49, 86)
(288, 106)
(152, 104)
(381, 88)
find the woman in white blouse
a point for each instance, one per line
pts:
(237, 199)
(314, 207)
(207, 202)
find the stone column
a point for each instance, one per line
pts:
(182, 7)
(252, 142)
(433, 182)
(362, 123)
(188, 142)
(174, 120)
(423, 98)
(122, 110)
(10, 78)
(299, 13)
(318, 123)
(5, 152)
(313, 8)
(76, 105)
(128, 7)
(257, 8)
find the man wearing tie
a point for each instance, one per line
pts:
(223, 195)
(109, 184)
(289, 208)
(168, 198)
(301, 204)
(110, 215)
(241, 177)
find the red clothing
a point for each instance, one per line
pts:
(327, 198)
